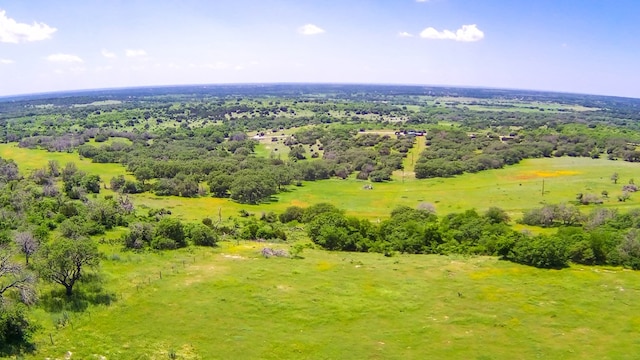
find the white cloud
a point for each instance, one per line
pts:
(422, 0)
(218, 65)
(64, 58)
(108, 54)
(135, 53)
(6, 61)
(466, 33)
(14, 32)
(404, 34)
(310, 29)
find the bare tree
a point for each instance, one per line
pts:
(27, 244)
(14, 277)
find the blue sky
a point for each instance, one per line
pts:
(584, 46)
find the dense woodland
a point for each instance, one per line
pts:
(199, 141)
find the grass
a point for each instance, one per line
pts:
(508, 105)
(514, 188)
(29, 160)
(229, 303)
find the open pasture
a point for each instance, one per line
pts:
(514, 188)
(230, 303)
(507, 105)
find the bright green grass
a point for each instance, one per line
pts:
(509, 106)
(229, 303)
(514, 188)
(29, 160)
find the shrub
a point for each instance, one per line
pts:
(163, 243)
(171, 229)
(291, 213)
(15, 330)
(201, 235)
(541, 252)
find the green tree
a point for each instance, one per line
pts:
(316, 210)
(291, 213)
(252, 188)
(63, 261)
(16, 331)
(219, 184)
(143, 174)
(91, 183)
(117, 182)
(297, 153)
(497, 215)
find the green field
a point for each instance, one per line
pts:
(230, 303)
(514, 188)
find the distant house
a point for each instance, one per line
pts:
(410, 133)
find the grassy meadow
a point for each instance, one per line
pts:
(230, 303)
(514, 188)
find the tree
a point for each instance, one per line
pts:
(91, 183)
(628, 251)
(54, 168)
(27, 244)
(318, 209)
(63, 261)
(15, 329)
(219, 184)
(117, 182)
(143, 174)
(14, 278)
(291, 213)
(495, 215)
(69, 170)
(614, 177)
(252, 188)
(297, 153)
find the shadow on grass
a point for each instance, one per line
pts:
(89, 292)
(16, 350)
(16, 331)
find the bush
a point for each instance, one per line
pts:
(628, 251)
(541, 252)
(201, 235)
(291, 213)
(171, 229)
(15, 330)
(316, 210)
(140, 234)
(163, 243)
